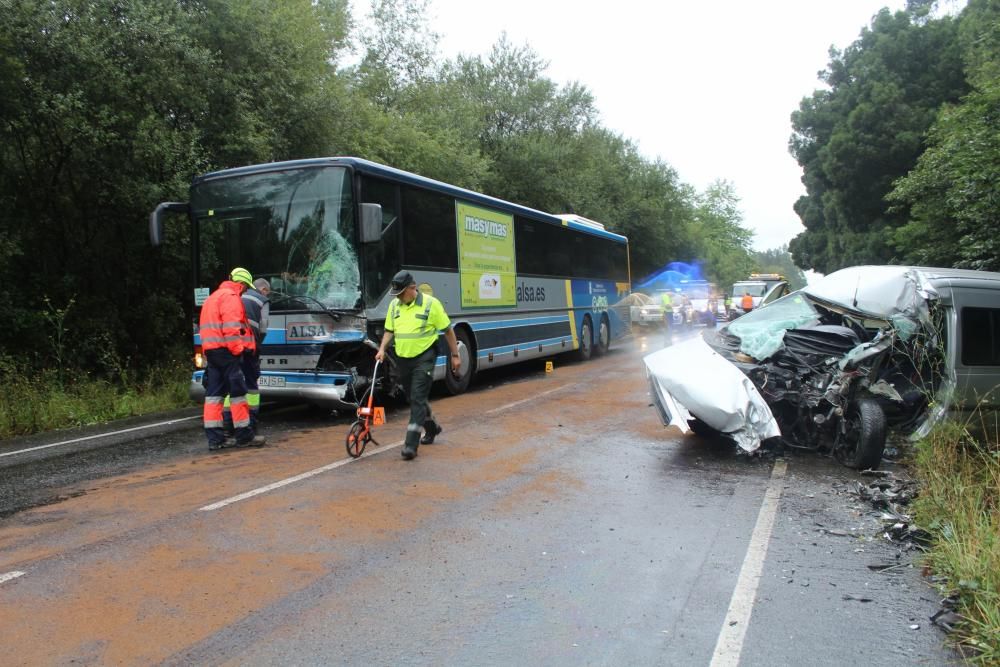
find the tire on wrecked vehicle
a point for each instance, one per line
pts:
(701, 429)
(861, 445)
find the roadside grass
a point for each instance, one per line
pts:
(53, 400)
(959, 504)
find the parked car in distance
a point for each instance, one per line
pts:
(644, 310)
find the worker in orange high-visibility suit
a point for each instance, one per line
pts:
(747, 302)
(225, 335)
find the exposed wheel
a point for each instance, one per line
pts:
(701, 428)
(586, 349)
(356, 441)
(862, 441)
(457, 385)
(603, 341)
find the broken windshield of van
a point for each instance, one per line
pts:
(762, 331)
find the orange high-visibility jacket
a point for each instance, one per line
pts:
(747, 302)
(223, 321)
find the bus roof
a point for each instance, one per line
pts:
(366, 166)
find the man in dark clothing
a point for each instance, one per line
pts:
(257, 308)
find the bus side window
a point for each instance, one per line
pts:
(381, 260)
(430, 237)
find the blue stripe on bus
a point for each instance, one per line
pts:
(527, 346)
(280, 337)
(526, 321)
(521, 347)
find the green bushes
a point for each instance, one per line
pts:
(33, 402)
(959, 504)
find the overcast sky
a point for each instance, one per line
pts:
(706, 86)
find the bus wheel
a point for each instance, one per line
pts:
(586, 348)
(457, 385)
(603, 342)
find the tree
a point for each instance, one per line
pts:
(779, 260)
(717, 228)
(953, 194)
(399, 53)
(110, 107)
(854, 139)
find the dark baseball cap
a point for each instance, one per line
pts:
(400, 282)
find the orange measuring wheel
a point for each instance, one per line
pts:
(368, 415)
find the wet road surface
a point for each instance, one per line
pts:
(555, 521)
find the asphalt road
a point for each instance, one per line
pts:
(554, 522)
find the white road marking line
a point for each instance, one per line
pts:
(296, 478)
(101, 435)
(10, 575)
(337, 464)
(734, 625)
(531, 398)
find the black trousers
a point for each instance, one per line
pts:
(416, 375)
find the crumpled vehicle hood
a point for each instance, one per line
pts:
(693, 380)
(690, 379)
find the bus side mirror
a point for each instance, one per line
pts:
(371, 223)
(156, 219)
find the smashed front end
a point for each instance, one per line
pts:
(821, 362)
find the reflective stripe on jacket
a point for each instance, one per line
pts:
(223, 321)
(256, 305)
(415, 326)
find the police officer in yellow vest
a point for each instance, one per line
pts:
(413, 322)
(666, 300)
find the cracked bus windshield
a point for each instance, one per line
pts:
(295, 228)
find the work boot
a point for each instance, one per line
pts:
(409, 452)
(256, 441)
(214, 446)
(431, 430)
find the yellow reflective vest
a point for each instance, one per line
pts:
(415, 326)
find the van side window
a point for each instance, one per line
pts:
(980, 336)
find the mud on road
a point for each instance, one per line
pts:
(554, 520)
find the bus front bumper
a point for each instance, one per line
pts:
(326, 390)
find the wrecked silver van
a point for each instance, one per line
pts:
(837, 365)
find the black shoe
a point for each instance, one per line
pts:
(409, 453)
(228, 442)
(431, 431)
(256, 441)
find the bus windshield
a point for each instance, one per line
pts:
(294, 227)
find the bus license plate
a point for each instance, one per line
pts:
(266, 381)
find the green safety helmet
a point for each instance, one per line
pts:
(241, 275)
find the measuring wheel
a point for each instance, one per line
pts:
(357, 438)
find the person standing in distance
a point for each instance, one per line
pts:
(412, 324)
(225, 335)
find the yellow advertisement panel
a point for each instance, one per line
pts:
(485, 256)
